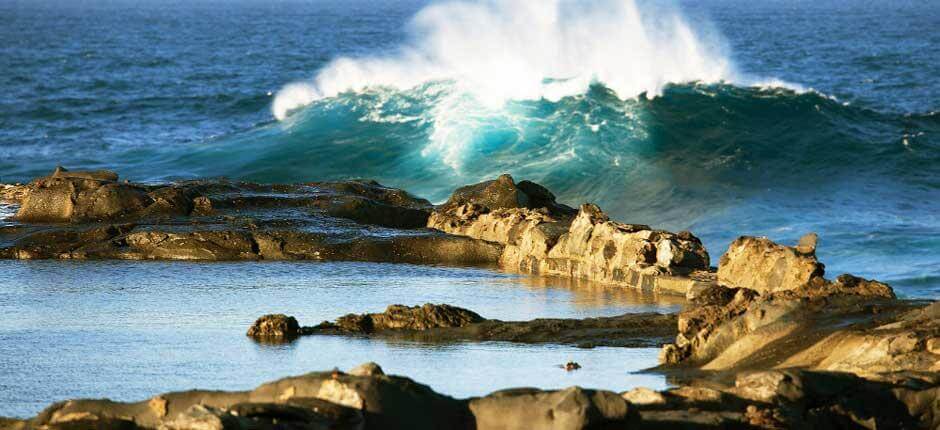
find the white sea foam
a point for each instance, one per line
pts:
(499, 50)
(489, 52)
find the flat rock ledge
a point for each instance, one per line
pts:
(367, 398)
(93, 215)
(433, 323)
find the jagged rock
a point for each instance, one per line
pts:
(504, 193)
(572, 408)
(80, 196)
(549, 241)
(400, 317)
(628, 330)
(805, 324)
(761, 265)
(275, 325)
(778, 399)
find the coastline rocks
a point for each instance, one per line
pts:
(553, 240)
(275, 326)
(761, 265)
(400, 317)
(504, 193)
(67, 196)
(336, 400)
(444, 323)
(570, 408)
(806, 321)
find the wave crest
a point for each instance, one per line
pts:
(501, 50)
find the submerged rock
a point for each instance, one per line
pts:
(543, 237)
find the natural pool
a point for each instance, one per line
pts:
(129, 330)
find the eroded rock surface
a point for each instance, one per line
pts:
(90, 215)
(444, 323)
(777, 399)
(399, 317)
(544, 237)
(275, 326)
(785, 314)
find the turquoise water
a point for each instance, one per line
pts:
(129, 330)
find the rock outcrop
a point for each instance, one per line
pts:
(94, 216)
(400, 317)
(366, 398)
(785, 314)
(543, 237)
(278, 326)
(443, 323)
(67, 196)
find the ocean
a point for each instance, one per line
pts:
(722, 117)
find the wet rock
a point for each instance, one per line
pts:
(761, 265)
(400, 317)
(80, 196)
(629, 330)
(275, 325)
(13, 193)
(504, 193)
(571, 408)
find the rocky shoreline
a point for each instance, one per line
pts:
(447, 324)
(764, 341)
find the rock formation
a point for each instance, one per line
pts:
(775, 310)
(543, 237)
(97, 217)
(367, 398)
(275, 326)
(444, 323)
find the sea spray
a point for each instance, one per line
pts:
(499, 50)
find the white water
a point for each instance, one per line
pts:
(499, 50)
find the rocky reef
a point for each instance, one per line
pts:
(92, 215)
(367, 398)
(444, 323)
(765, 340)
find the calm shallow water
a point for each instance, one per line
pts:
(129, 330)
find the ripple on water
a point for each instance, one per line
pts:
(129, 330)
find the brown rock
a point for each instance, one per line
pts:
(400, 317)
(275, 325)
(764, 266)
(80, 196)
(572, 408)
